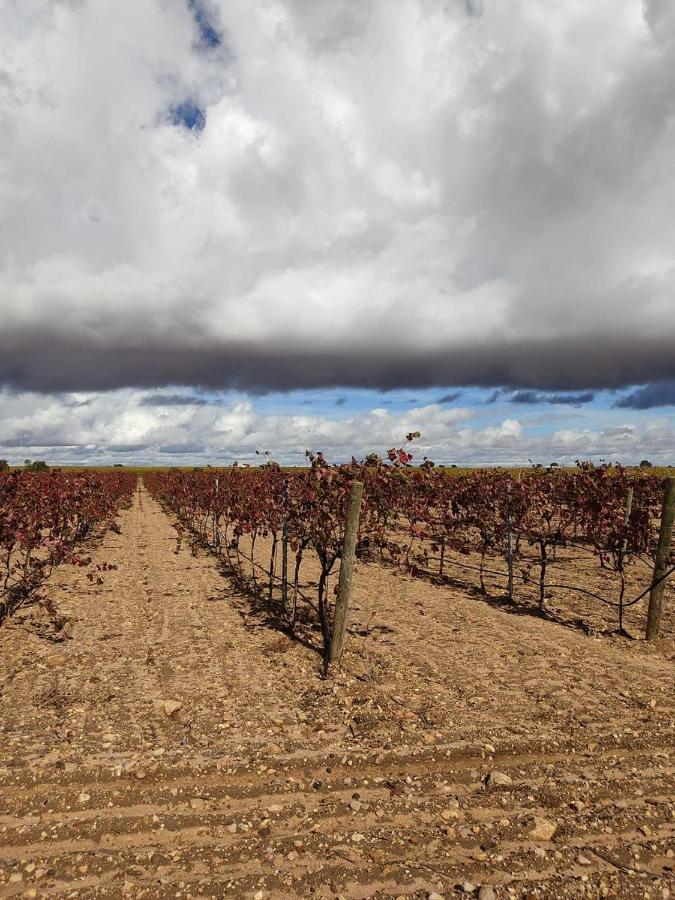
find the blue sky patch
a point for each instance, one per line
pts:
(188, 114)
(209, 36)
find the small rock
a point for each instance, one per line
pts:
(51, 758)
(55, 659)
(258, 895)
(452, 812)
(355, 805)
(274, 808)
(468, 887)
(584, 860)
(542, 829)
(16, 878)
(357, 837)
(487, 892)
(495, 779)
(434, 896)
(171, 707)
(84, 798)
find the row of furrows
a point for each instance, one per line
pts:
(80, 803)
(205, 855)
(16, 777)
(139, 826)
(332, 876)
(27, 794)
(453, 820)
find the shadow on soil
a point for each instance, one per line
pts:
(515, 607)
(252, 603)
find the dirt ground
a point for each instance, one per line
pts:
(178, 745)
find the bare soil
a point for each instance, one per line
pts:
(269, 781)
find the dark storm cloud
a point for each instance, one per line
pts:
(450, 398)
(174, 400)
(46, 363)
(649, 396)
(534, 397)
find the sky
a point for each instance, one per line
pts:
(320, 224)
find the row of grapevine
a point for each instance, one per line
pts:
(301, 511)
(417, 518)
(44, 519)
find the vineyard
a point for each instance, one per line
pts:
(518, 530)
(44, 519)
(176, 724)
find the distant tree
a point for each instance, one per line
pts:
(645, 464)
(118, 466)
(4, 465)
(36, 465)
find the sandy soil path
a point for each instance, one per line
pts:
(269, 782)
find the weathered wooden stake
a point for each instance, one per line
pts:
(337, 640)
(624, 546)
(284, 551)
(661, 560)
(509, 540)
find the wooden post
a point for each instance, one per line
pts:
(337, 640)
(284, 551)
(509, 539)
(661, 560)
(624, 546)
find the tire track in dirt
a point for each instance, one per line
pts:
(269, 780)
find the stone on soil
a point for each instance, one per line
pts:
(542, 829)
(496, 779)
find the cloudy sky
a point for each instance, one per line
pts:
(230, 226)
